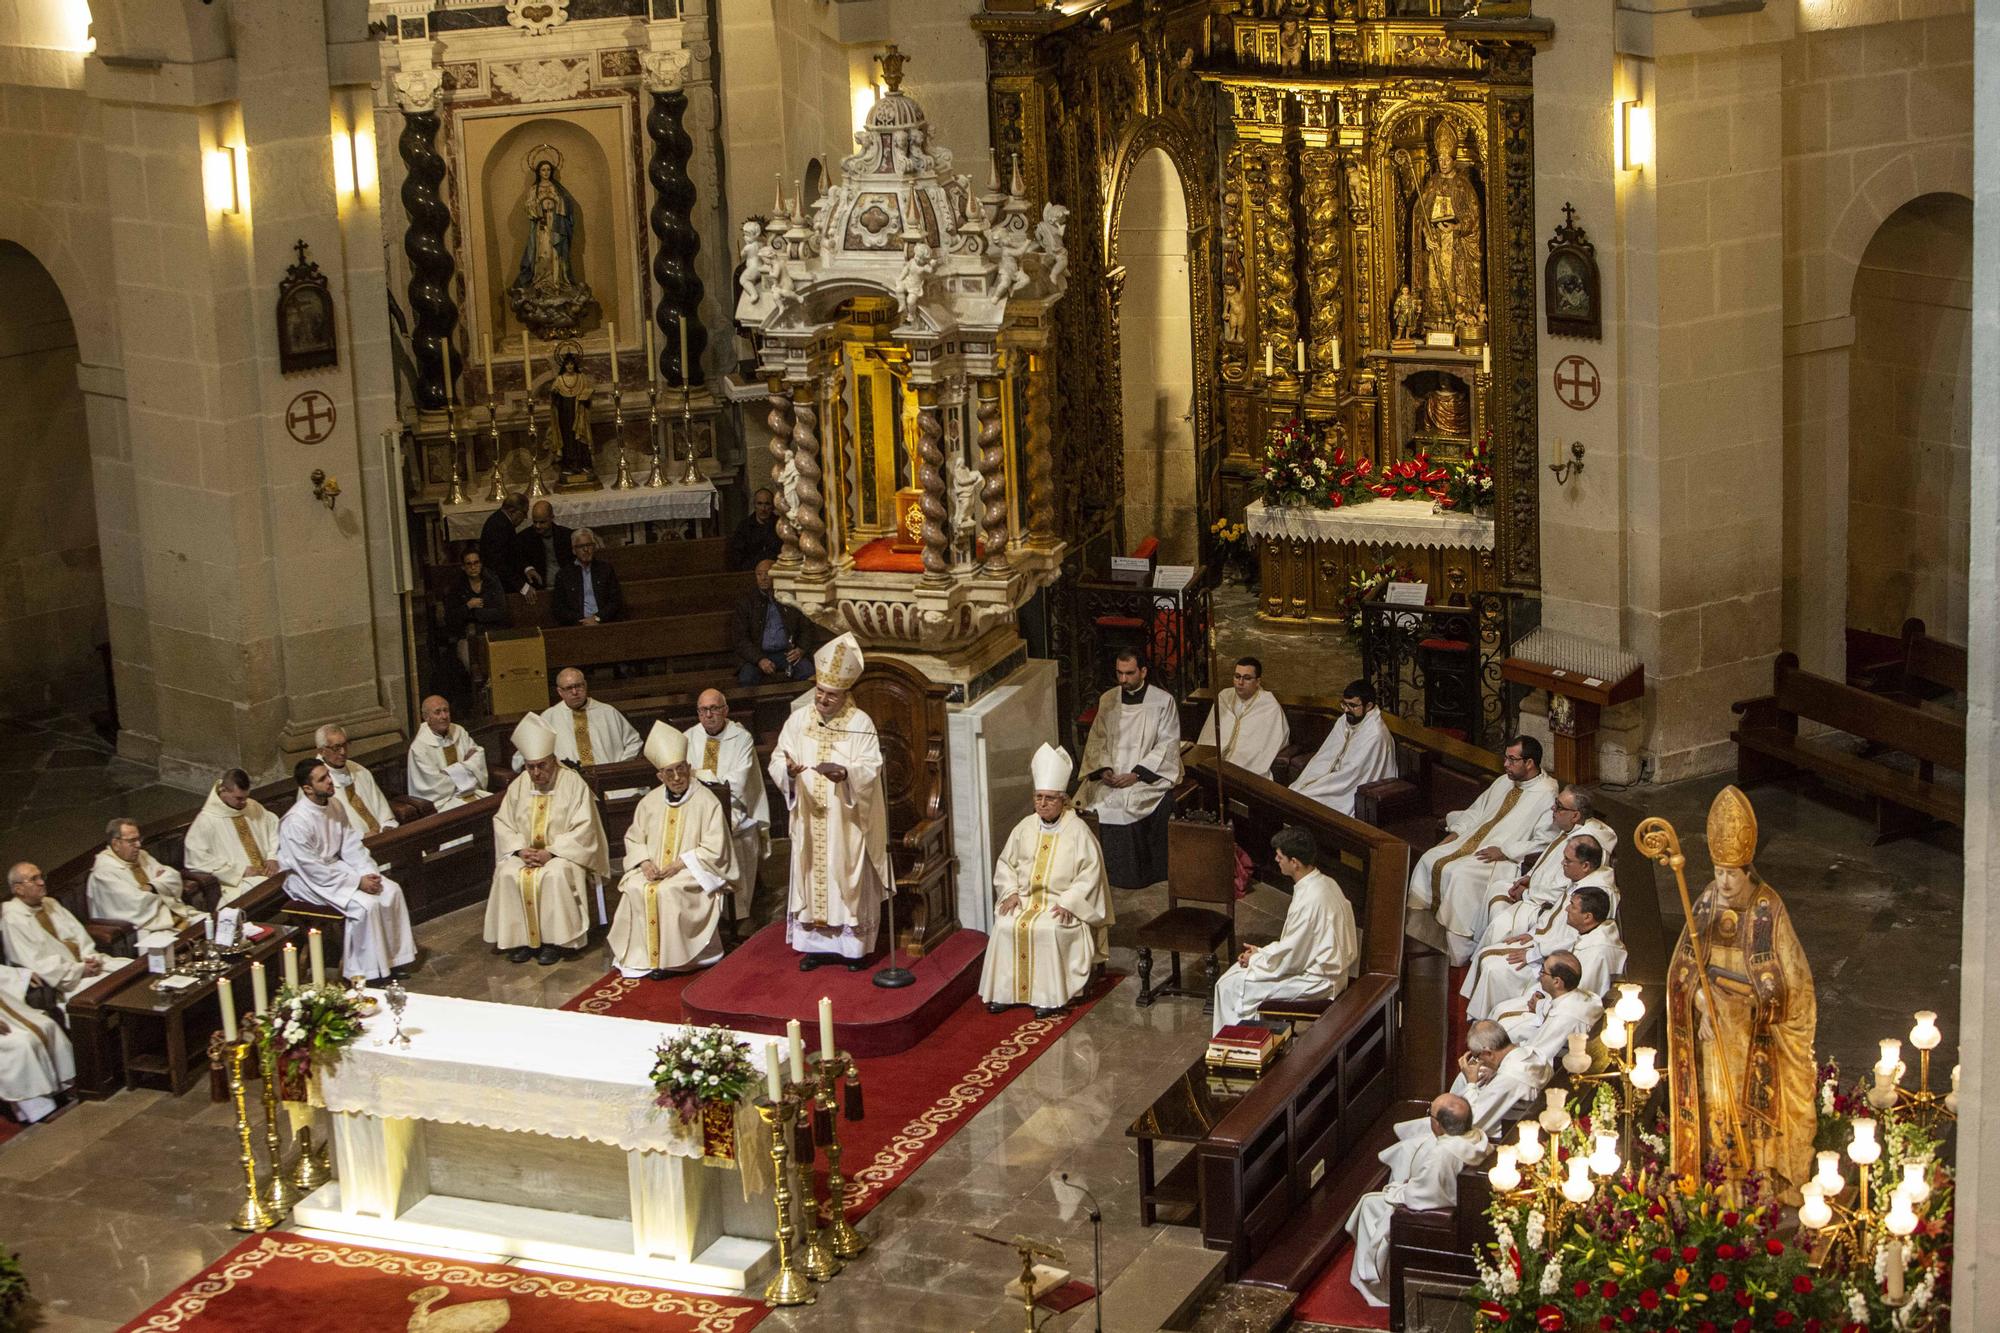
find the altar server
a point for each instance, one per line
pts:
(354, 786)
(724, 751)
(1359, 750)
(1506, 818)
(36, 1062)
(1130, 765)
(44, 937)
(1496, 1077)
(1052, 905)
(1529, 901)
(445, 767)
(330, 866)
(828, 767)
(127, 884)
(1543, 1019)
(1316, 954)
(587, 730)
(677, 863)
(548, 844)
(234, 838)
(1249, 720)
(1585, 928)
(1423, 1163)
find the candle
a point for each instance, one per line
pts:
(318, 954)
(1530, 1148)
(611, 341)
(1268, 362)
(486, 346)
(686, 378)
(1894, 1289)
(1486, 359)
(227, 995)
(1336, 351)
(260, 995)
(771, 1083)
(1578, 1187)
(291, 964)
(652, 365)
(798, 1048)
(1300, 352)
(444, 350)
(825, 1028)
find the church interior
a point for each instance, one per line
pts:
(1070, 664)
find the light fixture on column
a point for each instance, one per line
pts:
(1635, 135)
(219, 179)
(353, 162)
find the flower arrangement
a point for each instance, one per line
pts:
(1469, 482)
(1365, 584)
(1415, 478)
(702, 1065)
(1299, 468)
(306, 1026)
(1232, 545)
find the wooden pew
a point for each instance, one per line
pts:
(1922, 668)
(1768, 746)
(695, 649)
(642, 560)
(645, 599)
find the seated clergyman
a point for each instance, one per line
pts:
(1546, 1016)
(36, 1062)
(677, 862)
(1052, 906)
(1511, 819)
(548, 844)
(1497, 1077)
(1507, 969)
(1359, 750)
(1423, 1163)
(234, 838)
(1517, 903)
(330, 866)
(1247, 722)
(445, 766)
(44, 937)
(127, 884)
(588, 731)
(1317, 952)
(354, 787)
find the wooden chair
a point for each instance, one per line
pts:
(1201, 868)
(909, 712)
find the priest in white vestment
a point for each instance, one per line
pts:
(36, 1062)
(445, 766)
(828, 767)
(1586, 928)
(1527, 902)
(1316, 954)
(1248, 719)
(234, 838)
(1506, 813)
(1359, 750)
(724, 752)
(1544, 1018)
(1130, 765)
(548, 845)
(44, 937)
(1423, 1163)
(1464, 909)
(1497, 1078)
(354, 787)
(1052, 904)
(587, 730)
(329, 866)
(127, 884)
(677, 862)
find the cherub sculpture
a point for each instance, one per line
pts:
(916, 275)
(1049, 236)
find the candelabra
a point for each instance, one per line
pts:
(841, 1237)
(455, 482)
(788, 1286)
(279, 1196)
(623, 481)
(656, 478)
(1631, 1070)
(496, 492)
(253, 1215)
(1929, 1109)
(692, 476)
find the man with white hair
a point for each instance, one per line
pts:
(1529, 901)
(1544, 1018)
(1357, 751)
(724, 751)
(1586, 928)
(677, 862)
(1497, 1077)
(828, 767)
(587, 591)
(587, 731)
(1423, 1163)
(548, 844)
(330, 866)
(1247, 722)
(1053, 903)
(234, 838)
(445, 766)
(355, 788)
(1316, 953)
(1511, 818)
(43, 936)
(36, 1062)
(127, 884)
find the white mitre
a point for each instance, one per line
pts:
(665, 746)
(838, 665)
(1051, 768)
(533, 740)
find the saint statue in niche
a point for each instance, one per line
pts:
(546, 295)
(1445, 255)
(570, 390)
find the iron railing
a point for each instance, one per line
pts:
(1442, 663)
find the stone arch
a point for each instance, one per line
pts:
(174, 31)
(83, 280)
(1926, 169)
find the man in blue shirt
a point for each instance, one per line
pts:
(587, 593)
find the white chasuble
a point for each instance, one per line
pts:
(673, 921)
(840, 831)
(596, 733)
(1128, 738)
(534, 906)
(50, 942)
(1251, 734)
(36, 1061)
(360, 796)
(142, 893)
(327, 861)
(447, 770)
(1505, 812)
(1317, 953)
(1352, 756)
(730, 757)
(1548, 888)
(231, 845)
(1031, 957)
(1423, 1173)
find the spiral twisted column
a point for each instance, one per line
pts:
(810, 520)
(434, 313)
(930, 480)
(1276, 258)
(992, 476)
(1323, 234)
(676, 242)
(1041, 454)
(779, 419)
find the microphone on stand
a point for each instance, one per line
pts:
(1069, 1194)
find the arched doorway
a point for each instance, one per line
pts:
(52, 613)
(1909, 422)
(1156, 362)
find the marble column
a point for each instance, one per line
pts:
(419, 93)
(676, 243)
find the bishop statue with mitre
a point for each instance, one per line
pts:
(678, 863)
(828, 767)
(548, 844)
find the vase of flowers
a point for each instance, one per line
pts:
(703, 1074)
(1469, 482)
(1301, 467)
(307, 1027)
(1232, 547)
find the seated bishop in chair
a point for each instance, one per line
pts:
(548, 843)
(1053, 903)
(677, 862)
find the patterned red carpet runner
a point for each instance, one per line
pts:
(1332, 1299)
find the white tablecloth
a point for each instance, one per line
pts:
(1378, 522)
(509, 1066)
(605, 508)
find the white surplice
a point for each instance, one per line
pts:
(1468, 887)
(144, 894)
(1423, 1173)
(1520, 1078)
(1548, 888)
(1352, 756)
(597, 733)
(731, 756)
(448, 770)
(327, 860)
(1252, 733)
(534, 906)
(673, 922)
(1492, 980)
(1032, 958)
(52, 943)
(1317, 953)
(36, 1061)
(1505, 813)
(1126, 738)
(840, 872)
(356, 791)
(1544, 1025)
(231, 845)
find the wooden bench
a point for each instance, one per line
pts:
(645, 599)
(642, 560)
(1768, 746)
(695, 649)
(1918, 668)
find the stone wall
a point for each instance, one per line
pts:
(1156, 363)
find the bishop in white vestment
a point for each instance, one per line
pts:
(44, 937)
(445, 767)
(1506, 813)
(1316, 954)
(1052, 909)
(330, 866)
(548, 844)
(234, 838)
(36, 1062)
(1585, 928)
(587, 730)
(723, 751)
(354, 787)
(1543, 1019)
(1423, 1163)
(1359, 750)
(828, 767)
(127, 884)
(1130, 765)
(1497, 1077)
(1247, 723)
(677, 862)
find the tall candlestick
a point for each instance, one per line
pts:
(292, 965)
(825, 1028)
(652, 363)
(527, 367)
(318, 953)
(486, 346)
(686, 379)
(611, 341)
(1300, 352)
(798, 1047)
(260, 994)
(226, 993)
(772, 1083)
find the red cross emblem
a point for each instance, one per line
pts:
(310, 417)
(1577, 385)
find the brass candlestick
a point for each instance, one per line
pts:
(816, 1257)
(657, 478)
(252, 1216)
(455, 483)
(495, 492)
(841, 1237)
(278, 1195)
(536, 490)
(788, 1286)
(691, 477)
(623, 481)
(312, 1169)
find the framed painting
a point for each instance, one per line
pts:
(1570, 292)
(305, 318)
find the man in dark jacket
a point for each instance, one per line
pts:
(772, 641)
(587, 591)
(499, 541)
(756, 537)
(544, 547)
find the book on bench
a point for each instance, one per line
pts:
(1244, 1046)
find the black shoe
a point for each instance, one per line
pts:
(807, 962)
(856, 965)
(549, 955)
(658, 974)
(997, 1008)
(1056, 1012)
(402, 973)
(520, 955)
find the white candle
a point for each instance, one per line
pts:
(225, 993)
(1486, 359)
(651, 363)
(825, 1028)
(1336, 351)
(444, 350)
(527, 366)
(798, 1047)
(611, 341)
(260, 995)
(1268, 362)
(686, 378)
(772, 1083)
(486, 346)
(291, 964)
(1895, 1289)
(318, 953)
(1300, 352)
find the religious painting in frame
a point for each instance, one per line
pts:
(305, 318)
(1569, 283)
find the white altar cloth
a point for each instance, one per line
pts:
(595, 509)
(1378, 522)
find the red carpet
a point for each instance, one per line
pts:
(759, 986)
(282, 1281)
(1332, 1299)
(9, 1128)
(915, 1100)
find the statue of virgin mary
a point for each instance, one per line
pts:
(546, 295)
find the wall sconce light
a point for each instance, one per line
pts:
(1635, 137)
(353, 162)
(1564, 471)
(219, 180)
(325, 489)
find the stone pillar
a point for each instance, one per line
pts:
(434, 313)
(676, 243)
